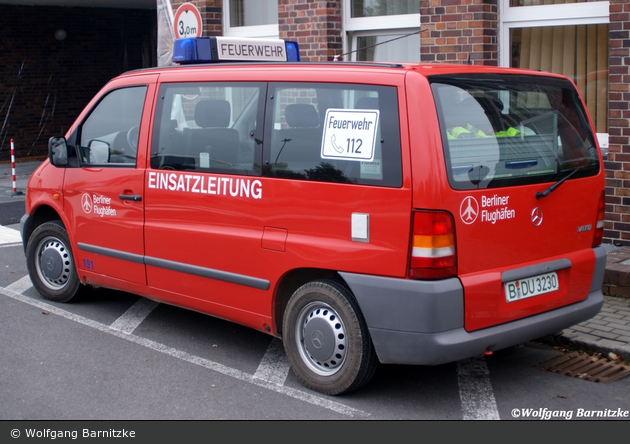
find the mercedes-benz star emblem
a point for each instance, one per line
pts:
(537, 216)
(50, 264)
(317, 338)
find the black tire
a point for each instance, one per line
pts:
(51, 264)
(326, 338)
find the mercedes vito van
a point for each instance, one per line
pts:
(362, 212)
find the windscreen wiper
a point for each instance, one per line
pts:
(549, 190)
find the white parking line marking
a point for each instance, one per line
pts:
(134, 316)
(475, 390)
(9, 236)
(182, 355)
(21, 285)
(274, 366)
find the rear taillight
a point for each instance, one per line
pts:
(601, 216)
(432, 246)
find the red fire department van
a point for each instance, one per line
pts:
(364, 213)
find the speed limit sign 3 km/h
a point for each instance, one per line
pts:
(187, 22)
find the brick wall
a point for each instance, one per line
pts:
(617, 229)
(45, 83)
(315, 25)
(459, 31)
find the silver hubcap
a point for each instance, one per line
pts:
(54, 263)
(321, 338)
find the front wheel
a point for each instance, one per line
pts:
(51, 265)
(326, 339)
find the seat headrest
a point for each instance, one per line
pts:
(213, 113)
(301, 115)
(469, 111)
(473, 113)
(491, 104)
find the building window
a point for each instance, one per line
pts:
(579, 52)
(385, 48)
(251, 18)
(563, 38)
(515, 3)
(379, 30)
(374, 8)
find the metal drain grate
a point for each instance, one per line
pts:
(583, 366)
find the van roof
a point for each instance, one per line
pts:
(425, 69)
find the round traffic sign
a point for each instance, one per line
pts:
(187, 21)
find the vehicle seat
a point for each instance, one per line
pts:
(493, 108)
(301, 142)
(213, 135)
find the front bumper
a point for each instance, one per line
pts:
(25, 229)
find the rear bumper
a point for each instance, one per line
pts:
(422, 323)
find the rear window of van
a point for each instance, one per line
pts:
(508, 130)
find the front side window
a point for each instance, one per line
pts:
(110, 133)
(207, 127)
(507, 130)
(333, 133)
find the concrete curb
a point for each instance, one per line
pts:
(593, 345)
(607, 332)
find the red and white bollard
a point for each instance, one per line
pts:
(15, 191)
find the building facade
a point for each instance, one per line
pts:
(589, 41)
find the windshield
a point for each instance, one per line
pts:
(507, 130)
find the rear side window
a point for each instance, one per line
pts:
(507, 130)
(333, 133)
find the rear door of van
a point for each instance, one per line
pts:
(525, 186)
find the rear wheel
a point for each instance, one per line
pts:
(326, 339)
(51, 265)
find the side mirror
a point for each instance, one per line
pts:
(58, 151)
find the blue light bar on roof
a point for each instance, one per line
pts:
(227, 49)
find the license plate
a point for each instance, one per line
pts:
(532, 286)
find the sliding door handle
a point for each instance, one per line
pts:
(132, 197)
